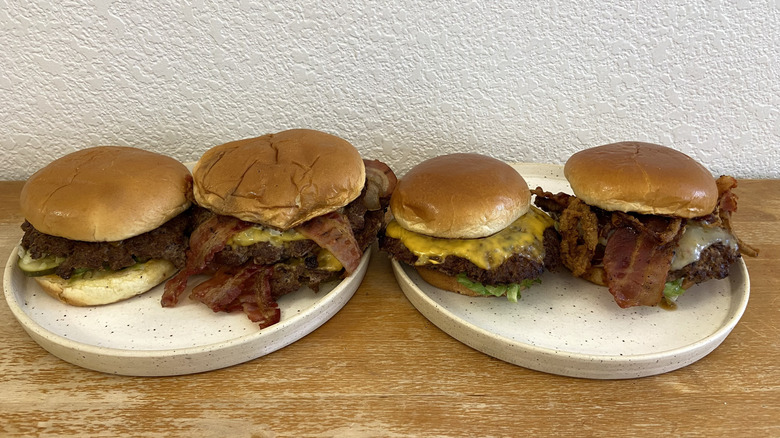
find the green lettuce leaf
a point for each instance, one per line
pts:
(511, 290)
(673, 289)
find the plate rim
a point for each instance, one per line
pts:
(58, 344)
(568, 363)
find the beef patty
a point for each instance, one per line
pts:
(168, 242)
(514, 270)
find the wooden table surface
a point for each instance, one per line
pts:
(379, 368)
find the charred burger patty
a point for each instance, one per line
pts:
(168, 242)
(515, 268)
(310, 267)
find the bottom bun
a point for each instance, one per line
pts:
(107, 288)
(445, 282)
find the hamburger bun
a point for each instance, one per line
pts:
(279, 180)
(107, 288)
(105, 193)
(643, 178)
(460, 196)
(444, 282)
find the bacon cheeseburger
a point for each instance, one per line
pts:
(104, 224)
(645, 220)
(282, 211)
(465, 222)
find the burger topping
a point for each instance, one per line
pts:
(46, 254)
(36, 267)
(246, 288)
(641, 256)
(637, 261)
(206, 240)
(524, 236)
(253, 287)
(697, 238)
(258, 233)
(333, 232)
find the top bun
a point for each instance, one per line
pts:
(642, 178)
(105, 193)
(460, 196)
(279, 180)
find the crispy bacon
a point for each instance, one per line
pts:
(245, 288)
(333, 232)
(253, 288)
(727, 204)
(206, 240)
(637, 261)
(259, 305)
(639, 248)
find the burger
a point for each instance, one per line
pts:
(465, 223)
(277, 213)
(645, 220)
(104, 224)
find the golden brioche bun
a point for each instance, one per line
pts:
(105, 193)
(642, 178)
(107, 288)
(445, 282)
(460, 196)
(279, 180)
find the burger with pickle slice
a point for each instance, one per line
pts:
(105, 224)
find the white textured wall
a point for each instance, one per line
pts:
(401, 80)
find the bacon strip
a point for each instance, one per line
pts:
(259, 304)
(246, 288)
(333, 232)
(636, 264)
(209, 238)
(727, 204)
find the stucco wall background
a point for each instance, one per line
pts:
(401, 80)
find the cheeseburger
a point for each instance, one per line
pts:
(104, 224)
(645, 220)
(279, 212)
(465, 223)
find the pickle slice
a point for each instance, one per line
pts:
(37, 267)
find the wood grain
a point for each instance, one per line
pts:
(378, 368)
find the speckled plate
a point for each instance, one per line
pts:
(139, 337)
(570, 327)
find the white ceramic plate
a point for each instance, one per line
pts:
(139, 337)
(570, 327)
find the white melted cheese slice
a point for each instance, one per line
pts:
(696, 239)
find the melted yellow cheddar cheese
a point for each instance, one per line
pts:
(524, 236)
(328, 262)
(257, 234)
